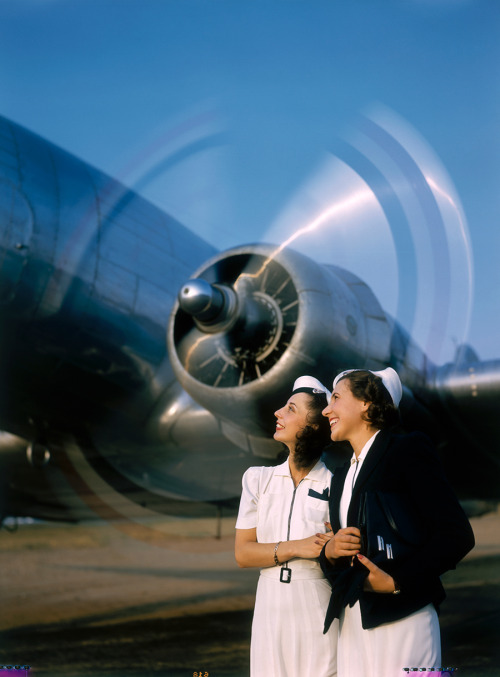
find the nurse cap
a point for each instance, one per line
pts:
(311, 385)
(389, 377)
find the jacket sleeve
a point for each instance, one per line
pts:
(449, 534)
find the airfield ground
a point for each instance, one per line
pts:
(92, 600)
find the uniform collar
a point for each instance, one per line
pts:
(364, 450)
(314, 474)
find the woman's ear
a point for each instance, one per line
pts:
(364, 411)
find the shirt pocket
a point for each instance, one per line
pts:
(317, 512)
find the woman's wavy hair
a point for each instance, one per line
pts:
(315, 436)
(367, 387)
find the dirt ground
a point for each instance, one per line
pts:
(167, 598)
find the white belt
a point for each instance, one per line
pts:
(298, 572)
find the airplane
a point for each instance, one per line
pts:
(140, 367)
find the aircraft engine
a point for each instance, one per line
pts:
(467, 390)
(255, 318)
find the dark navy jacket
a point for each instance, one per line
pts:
(409, 466)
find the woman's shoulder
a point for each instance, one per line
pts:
(322, 472)
(252, 475)
(412, 443)
(252, 471)
(256, 479)
(415, 438)
(258, 473)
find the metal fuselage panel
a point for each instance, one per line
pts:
(88, 274)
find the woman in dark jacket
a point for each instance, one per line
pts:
(388, 612)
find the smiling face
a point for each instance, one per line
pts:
(292, 419)
(346, 415)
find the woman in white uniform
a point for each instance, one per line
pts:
(282, 527)
(388, 613)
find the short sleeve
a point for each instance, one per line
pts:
(247, 514)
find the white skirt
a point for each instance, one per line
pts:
(287, 629)
(412, 642)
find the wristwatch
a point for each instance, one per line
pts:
(397, 589)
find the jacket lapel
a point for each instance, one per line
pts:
(377, 451)
(338, 480)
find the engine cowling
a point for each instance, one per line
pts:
(255, 318)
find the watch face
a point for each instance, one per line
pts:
(252, 339)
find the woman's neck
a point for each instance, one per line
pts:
(298, 472)
(361, 439)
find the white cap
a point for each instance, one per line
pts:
(389, 378)
(309, 384)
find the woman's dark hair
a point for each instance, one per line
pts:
(315, 436)
(368, 387)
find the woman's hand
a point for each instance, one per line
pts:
(345, 543)
(321, 539)
(311, 547)
(377, 580)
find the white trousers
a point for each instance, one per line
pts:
(287, 630)
(412, 642)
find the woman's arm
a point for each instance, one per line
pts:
(428, 492)
(250, 553)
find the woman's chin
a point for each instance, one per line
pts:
(335, 435)
(279, 437)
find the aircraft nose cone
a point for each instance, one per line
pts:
(207, 303)
(196, 296)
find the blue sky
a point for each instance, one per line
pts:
(230, 115)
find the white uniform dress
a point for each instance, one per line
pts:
(287, 629)
(386, 649)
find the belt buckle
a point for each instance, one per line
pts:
(285, 575)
